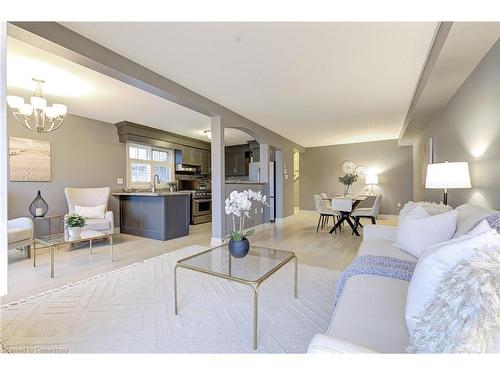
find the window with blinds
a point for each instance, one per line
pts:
(144, 162)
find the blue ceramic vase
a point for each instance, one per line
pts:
(239, 249)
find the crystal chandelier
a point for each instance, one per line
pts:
(37, 115)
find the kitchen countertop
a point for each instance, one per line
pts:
(150, 194)
(245, 183)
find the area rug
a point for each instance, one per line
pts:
(130, 310)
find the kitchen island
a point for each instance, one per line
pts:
(161, 216)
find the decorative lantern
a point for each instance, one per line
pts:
(39, 207)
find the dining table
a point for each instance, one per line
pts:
(346, 215)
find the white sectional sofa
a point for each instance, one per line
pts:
(370, 312)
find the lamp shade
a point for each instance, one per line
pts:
(371, 179)
(448, 176)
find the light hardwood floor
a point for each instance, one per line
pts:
(297, 234)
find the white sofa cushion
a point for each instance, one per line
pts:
(383, 248)
(97, 224)
(434, 263)
(370, 313)
(323, 344)
(92, 212)
(418, 230)
(469, 215)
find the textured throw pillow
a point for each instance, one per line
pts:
(96, 212)
(419, 230)
(464, 315)
(434, 263)
(469, 215)
(431, 208)
(490, 222)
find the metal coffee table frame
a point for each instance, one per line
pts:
(53, 244)
(254, 284)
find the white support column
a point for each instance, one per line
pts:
(218, 181)
(3, 158)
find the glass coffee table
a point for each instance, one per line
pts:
(256, 267)
(53, 241)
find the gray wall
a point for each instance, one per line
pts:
(468, 129)
(321, 166)
(85, 153)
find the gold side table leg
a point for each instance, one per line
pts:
(175, 291)
(296, 273)
(90, 244)
(255, 314)
(111, 243)
(51, 248)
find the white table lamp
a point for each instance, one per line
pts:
(372, 179)
(448, 176)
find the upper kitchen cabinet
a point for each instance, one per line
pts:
(206, 162)
(190, 155)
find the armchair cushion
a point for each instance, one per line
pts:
(20, 231)
(97, 224)
(94, 212)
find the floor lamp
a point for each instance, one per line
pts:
(447, 176)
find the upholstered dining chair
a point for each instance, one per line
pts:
(367, 212)
(327, 202)
(324, 212)
(91, 197)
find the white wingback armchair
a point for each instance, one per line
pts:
(20, 233)
(91, 197)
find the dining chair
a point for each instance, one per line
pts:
(327, 202)
(324, 212)
(343, 206)
(367, 212)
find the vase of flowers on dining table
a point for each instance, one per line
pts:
(347, 180)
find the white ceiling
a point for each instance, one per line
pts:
(91, 94)
(314, 83)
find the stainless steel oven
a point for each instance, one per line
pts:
(201, 207)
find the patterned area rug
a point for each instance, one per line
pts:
(130, 310)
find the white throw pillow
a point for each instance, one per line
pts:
(419, 230)
(431, 208)
(434, 263)
(96, 212)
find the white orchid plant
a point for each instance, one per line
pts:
(238, 205)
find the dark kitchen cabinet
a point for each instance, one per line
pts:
(206, 162)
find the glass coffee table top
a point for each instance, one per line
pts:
(63, 238)
(257, 264)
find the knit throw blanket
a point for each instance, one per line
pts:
(375, 265)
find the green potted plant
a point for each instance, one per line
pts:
(347, 180)
(238, 205)
(75, 223)
(172, 185)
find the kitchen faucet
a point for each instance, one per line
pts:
(156, 180)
